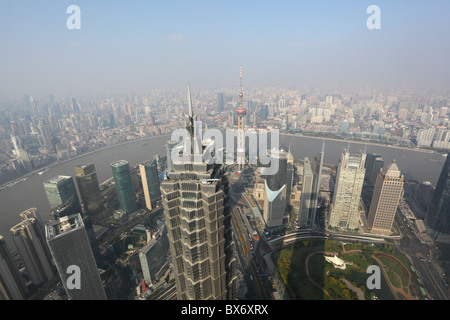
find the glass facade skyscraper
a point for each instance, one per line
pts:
(437, 218)
(62, 196)
(316, 167)
(150, 183)
(124, 186)
(220, 105)
(69, 246)
(89, 189)
(59, 190)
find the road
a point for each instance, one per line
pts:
(251, 258)
(420, 256)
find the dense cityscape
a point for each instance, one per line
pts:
(124, 218)
(113, 196)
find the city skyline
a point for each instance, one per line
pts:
(348, 102)
(124, 47)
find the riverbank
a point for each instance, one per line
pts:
(364, 143)
(57, 163)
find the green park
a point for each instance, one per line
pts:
(307, 275)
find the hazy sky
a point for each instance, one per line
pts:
(138, 45)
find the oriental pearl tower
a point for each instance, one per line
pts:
(241, 112)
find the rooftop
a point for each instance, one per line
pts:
(119, 163)
(57, 179)
(63, 225)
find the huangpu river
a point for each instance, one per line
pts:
(419, 165)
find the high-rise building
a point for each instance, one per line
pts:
(289, 175)
(150, 183)
(46, 138)
(425, 137)
(274, 206)
(89, 189)
(71, 251)
(347, 193)
(437, 218)
(12, 285)
(153, 256)
(75, 106)
(278, 179)
(442, 139)
(21, 153)
(63, 199)
(386, 195)
(264, 112)
(345, 127)
(220, 105)
(306, 196)
(197, 214)
(29, 238)
(275, 189)
(124, 186)
(169, 147)
(59, 190)
(316, 167)
(373, 164)
(112, 122)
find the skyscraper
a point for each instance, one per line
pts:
(274, 206)
(289, 175)
(275, 189)
(153, 256)
(374, 163)
(62, 196)
(264, 112)
(46, 138)
(21, 153)
(347, 193)
(306, 196)
(75, 106)
(220, 102)
(277, 180)
(345, 127)
(63, 199)
(29, 238)
(12, 286)
(169, 147)
(89, 189)
(197, 214)
(316, 167)
(437, 218)
(71, 251)
(59, 190)
(124, 186)
(386, 195)
(150, 183)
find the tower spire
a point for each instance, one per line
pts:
(190, 118)
(241, 95)
(191, 114)
(241, 112)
